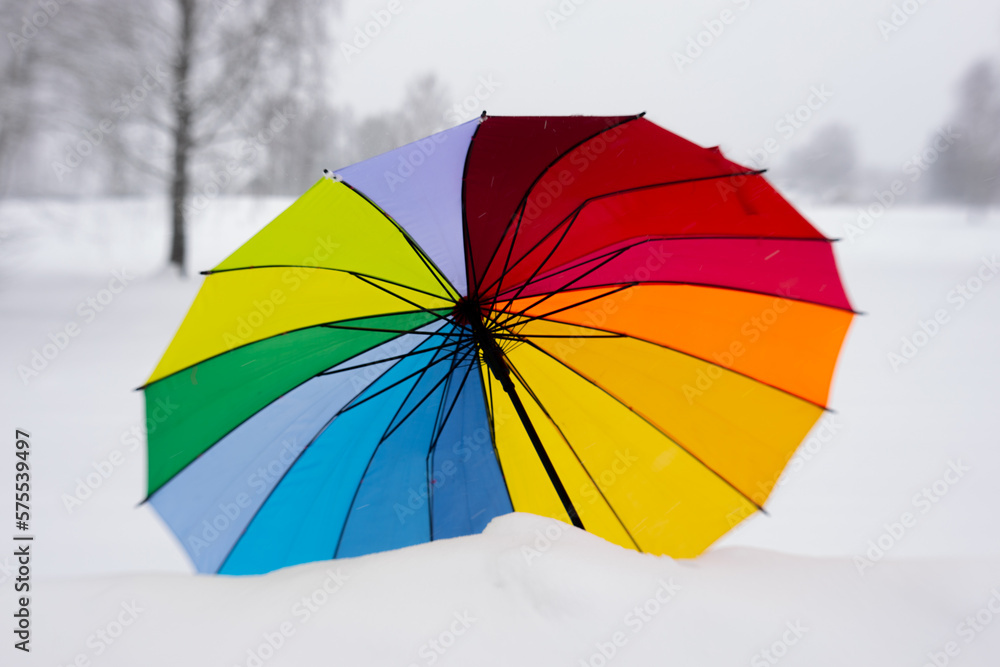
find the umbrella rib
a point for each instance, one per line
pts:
(327, 325)
(471, 285)
(524, 319)
(392, 429)
(379, 330)
(424, 257)
(487, 388)
(524, 199)
(618, 334)
(575, 264)
(614, 193)
(223, 436)
(517, 336)
(534, 273)
(433, 447)
(583, 275)
(687, 283)
(337, 369)
(356, 274)
(434, 361)
(401, 298)
(510, 250)
(541, 407)
(378, 446)
(648, 421)
(291, 465)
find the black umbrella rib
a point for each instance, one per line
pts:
(616, 334)
(356, 274)
(402, 298)
(428, 462)
(269, 403)
(284, 474)
(534, 273)
(637, 188)
(648, 421)
(470, 278)
(393, 428)
(538, 402)
(328, 325)
(413, 352)
(567, 285)
(653, 239)
(524, 199)
(434, 362)
(395, 331)
(385, 436)
(524, 319)
(424, 257)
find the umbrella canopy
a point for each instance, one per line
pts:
(587, 318)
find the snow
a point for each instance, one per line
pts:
(909, 460)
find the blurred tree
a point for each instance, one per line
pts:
(969, 172)
(188, 92)
(826, 167)
(18, 73)
(421, 113)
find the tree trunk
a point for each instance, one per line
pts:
(182, 138)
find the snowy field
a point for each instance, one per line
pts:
(882, 548)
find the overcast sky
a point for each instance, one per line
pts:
(618, 57)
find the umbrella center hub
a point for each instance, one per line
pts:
(468, 314)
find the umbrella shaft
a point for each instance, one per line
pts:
(494, 359)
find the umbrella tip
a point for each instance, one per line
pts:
(640, 114)
(332, 176)
(482, 116)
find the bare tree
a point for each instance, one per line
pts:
(969, 172)
(826, 167)
(179, 89)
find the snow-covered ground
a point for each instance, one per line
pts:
(883, 536)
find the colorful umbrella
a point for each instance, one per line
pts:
(586, 318)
